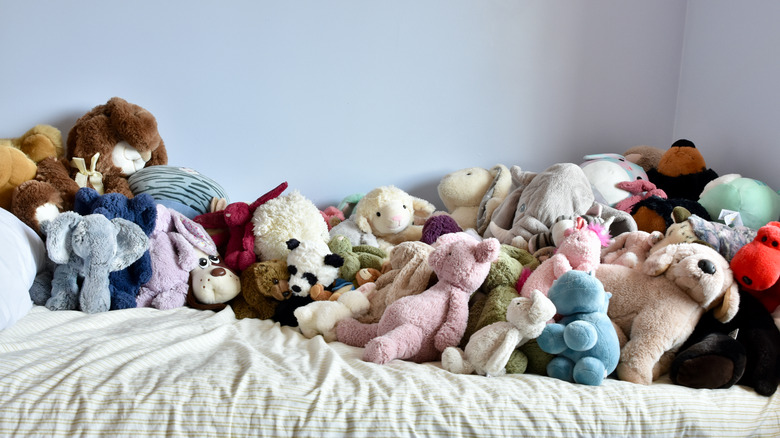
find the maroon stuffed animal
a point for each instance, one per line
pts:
(756, 266)
(238, 241)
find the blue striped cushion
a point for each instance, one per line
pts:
(183, 189)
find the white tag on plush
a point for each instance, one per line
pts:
(731, 218)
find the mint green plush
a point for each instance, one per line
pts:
(755, 201)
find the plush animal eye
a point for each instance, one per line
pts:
(404, 207)
(276, 281)
(214, 259)
(378, 214)
(203, 262)
(774, 243)
(469, 174)
(763, 239)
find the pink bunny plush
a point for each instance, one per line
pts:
(580, 249)
(419, 327)
(172, 247)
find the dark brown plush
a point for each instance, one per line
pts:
(263, 286)
(96, 132)
(655, 213)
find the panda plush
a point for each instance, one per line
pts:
(313, 268)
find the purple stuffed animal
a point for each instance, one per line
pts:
(419, 327)
(172, 246)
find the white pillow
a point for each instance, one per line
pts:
(22, 256)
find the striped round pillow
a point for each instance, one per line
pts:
(183, 189)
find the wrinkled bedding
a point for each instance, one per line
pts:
(187, 372)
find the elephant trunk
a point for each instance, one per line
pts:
(95, 294)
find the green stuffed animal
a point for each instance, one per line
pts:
(355, 257)
(489, 305)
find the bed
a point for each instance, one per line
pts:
(189, 372)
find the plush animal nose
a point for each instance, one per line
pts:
(397, 218)
(707, 266)
(218, 272)
(286, 293)
(747, 280)
(296, 288)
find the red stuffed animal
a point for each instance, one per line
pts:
(756, 266)
(237, 242)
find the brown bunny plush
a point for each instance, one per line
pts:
(104, 147)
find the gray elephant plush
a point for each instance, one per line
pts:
(85, 250)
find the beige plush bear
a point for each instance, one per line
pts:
(470, 195)
(392, 215)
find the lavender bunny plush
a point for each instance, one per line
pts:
(172, 247)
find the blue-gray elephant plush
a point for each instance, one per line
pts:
(125, 284)
(86, 249)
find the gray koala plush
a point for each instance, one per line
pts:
(84, 250)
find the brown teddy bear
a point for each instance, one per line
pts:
(19, 158)
(104, 147)
(263, 286)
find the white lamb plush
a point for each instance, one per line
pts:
(283, 218)
(488, 349)
(321, 317)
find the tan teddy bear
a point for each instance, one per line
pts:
(19, 158)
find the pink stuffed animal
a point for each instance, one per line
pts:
(419, 327)
(580, 249)
(172, 246)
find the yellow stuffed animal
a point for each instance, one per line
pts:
(19, 158)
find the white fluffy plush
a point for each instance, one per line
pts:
(321, 317)
(391, 214)
(311, 262)
(488, 350)
(283, 218)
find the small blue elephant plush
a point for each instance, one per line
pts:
(584, 340)
(85, 250)
(142, 211)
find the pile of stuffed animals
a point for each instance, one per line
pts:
(628, 266)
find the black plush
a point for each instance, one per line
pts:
(284, 312)
(711, 358)
(683, 178)
(663, 208)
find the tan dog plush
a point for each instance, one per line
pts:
(104, 147)
(392, 215)
(656, 307)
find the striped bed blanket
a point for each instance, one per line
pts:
(187, 372)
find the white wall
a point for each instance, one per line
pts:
(339, 97)
(729, 102)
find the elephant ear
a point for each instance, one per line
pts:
(193, 232)
(58, 236)
(131, 243)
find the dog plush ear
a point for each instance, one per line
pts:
(363, 224)
(658, 262)
(729, 305)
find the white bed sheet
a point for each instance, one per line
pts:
(186, 372)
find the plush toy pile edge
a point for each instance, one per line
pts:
(628, 266)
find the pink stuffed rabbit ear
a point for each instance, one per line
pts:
(194, 233)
